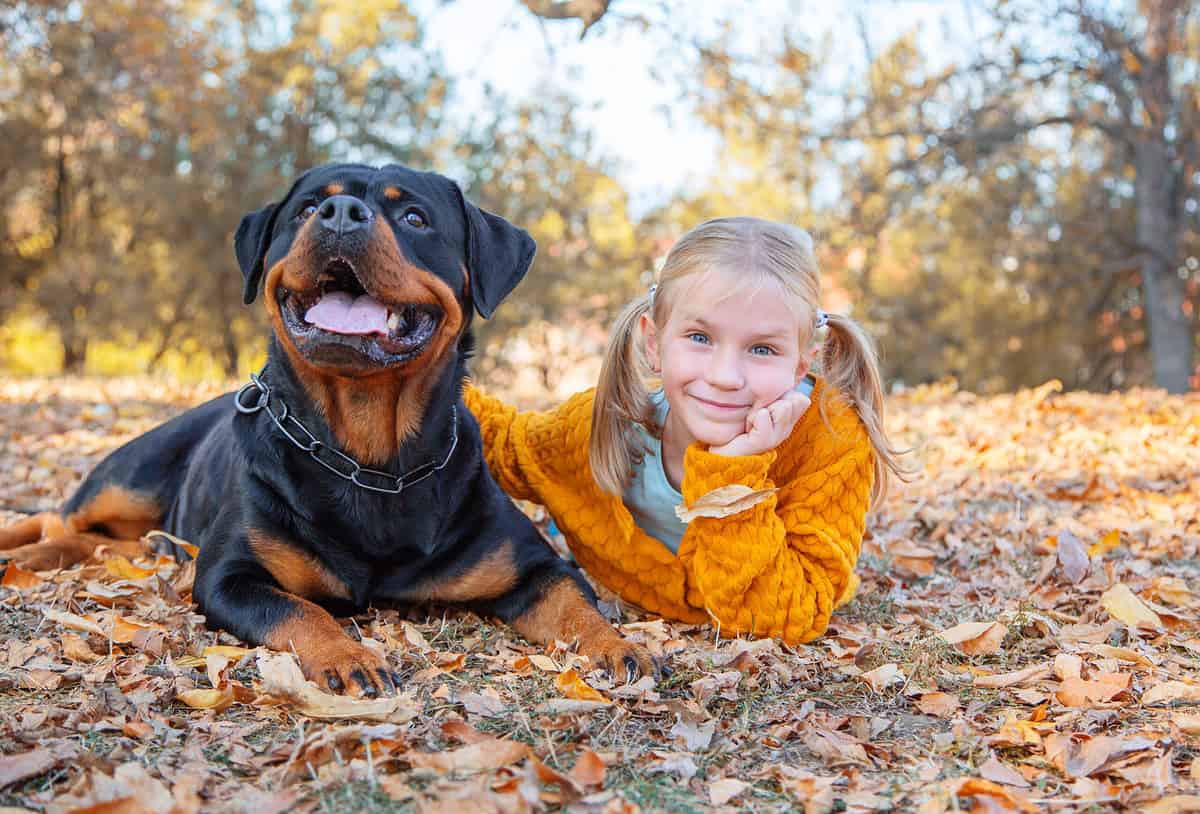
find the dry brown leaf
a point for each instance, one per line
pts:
(1072, 557)
(281, 677)
(1174, 804)
(589, 770)
(723, 502)
(722, 791)
(941, 704)
(14, 768)
(19, 578)
(1188, 723)
(977, 787)
(975, 638)
(1125, 606)
(1169, 691)
(999, 680)
(883, 677)
(76, 649)
(74, 622)
(480, 756)
(1078, 692)
(999, 772)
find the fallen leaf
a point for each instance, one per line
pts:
(723, 502)
(1067, 666)
(74, 622)
(121, 568)
(1078, 692)
(481, 756)
(941, 704)
(999, 680)
(1125, 606)
(722, 791)
(1072, 557)
(1169, 691)
(998, 772)
(14, 768)
(695, 738)
(975, 638)
(207, 699)
(17, 577)
(572, 686)
(1107, 543)
(589, 770)
(281, 677)
(1175, 804)
(883, 677)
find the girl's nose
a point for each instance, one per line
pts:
(725, 371)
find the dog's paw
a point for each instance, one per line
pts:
(622, 659)
(349, 667)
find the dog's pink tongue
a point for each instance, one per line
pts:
(341, 313)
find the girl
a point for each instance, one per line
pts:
(729, 332)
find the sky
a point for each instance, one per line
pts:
(500, 42)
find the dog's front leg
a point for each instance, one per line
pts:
(560, 605)
(245, 599)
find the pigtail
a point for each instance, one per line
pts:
(850, 364)
(621, 403)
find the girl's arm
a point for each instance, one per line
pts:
(520, 448)
(780, 567)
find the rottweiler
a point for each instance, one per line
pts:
(349, 470)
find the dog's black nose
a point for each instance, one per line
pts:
(344, 214)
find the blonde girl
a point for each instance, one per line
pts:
(728, 336)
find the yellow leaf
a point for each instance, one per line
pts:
(1125, 606)
(1107, 543)
(227, 650)
(207, 699)
(572, 686)
(723, 502)
(122, 568)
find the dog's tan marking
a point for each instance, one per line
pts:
(296, 572)
(334, 189)
(492, 576)
(392, 193)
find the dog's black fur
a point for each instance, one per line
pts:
(281, 538)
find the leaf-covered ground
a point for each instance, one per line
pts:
(1025, 638)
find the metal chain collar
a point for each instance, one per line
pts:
(332, 459)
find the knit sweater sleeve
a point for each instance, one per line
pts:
(522, 449)
(780, 567)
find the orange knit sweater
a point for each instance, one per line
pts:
(776, 569)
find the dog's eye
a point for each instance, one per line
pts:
(306, 212)
(415, 219)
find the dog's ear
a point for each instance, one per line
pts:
(250, 244)
(498, 255)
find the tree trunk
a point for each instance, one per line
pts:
(74, 354)
(1163, 290)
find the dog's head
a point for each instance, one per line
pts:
(366, 269)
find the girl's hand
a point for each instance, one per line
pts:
(767, 427)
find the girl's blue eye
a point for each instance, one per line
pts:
(762, 350)
(696, 336)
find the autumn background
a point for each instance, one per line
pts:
(1006, 193)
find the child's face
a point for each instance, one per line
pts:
(723, 356)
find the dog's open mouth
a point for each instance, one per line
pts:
(340, 316)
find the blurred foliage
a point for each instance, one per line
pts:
(984, 218)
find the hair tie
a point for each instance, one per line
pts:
(822, 319)
(653, 289)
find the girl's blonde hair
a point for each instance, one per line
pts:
(760, 250)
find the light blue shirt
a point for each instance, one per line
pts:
(651, 498)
